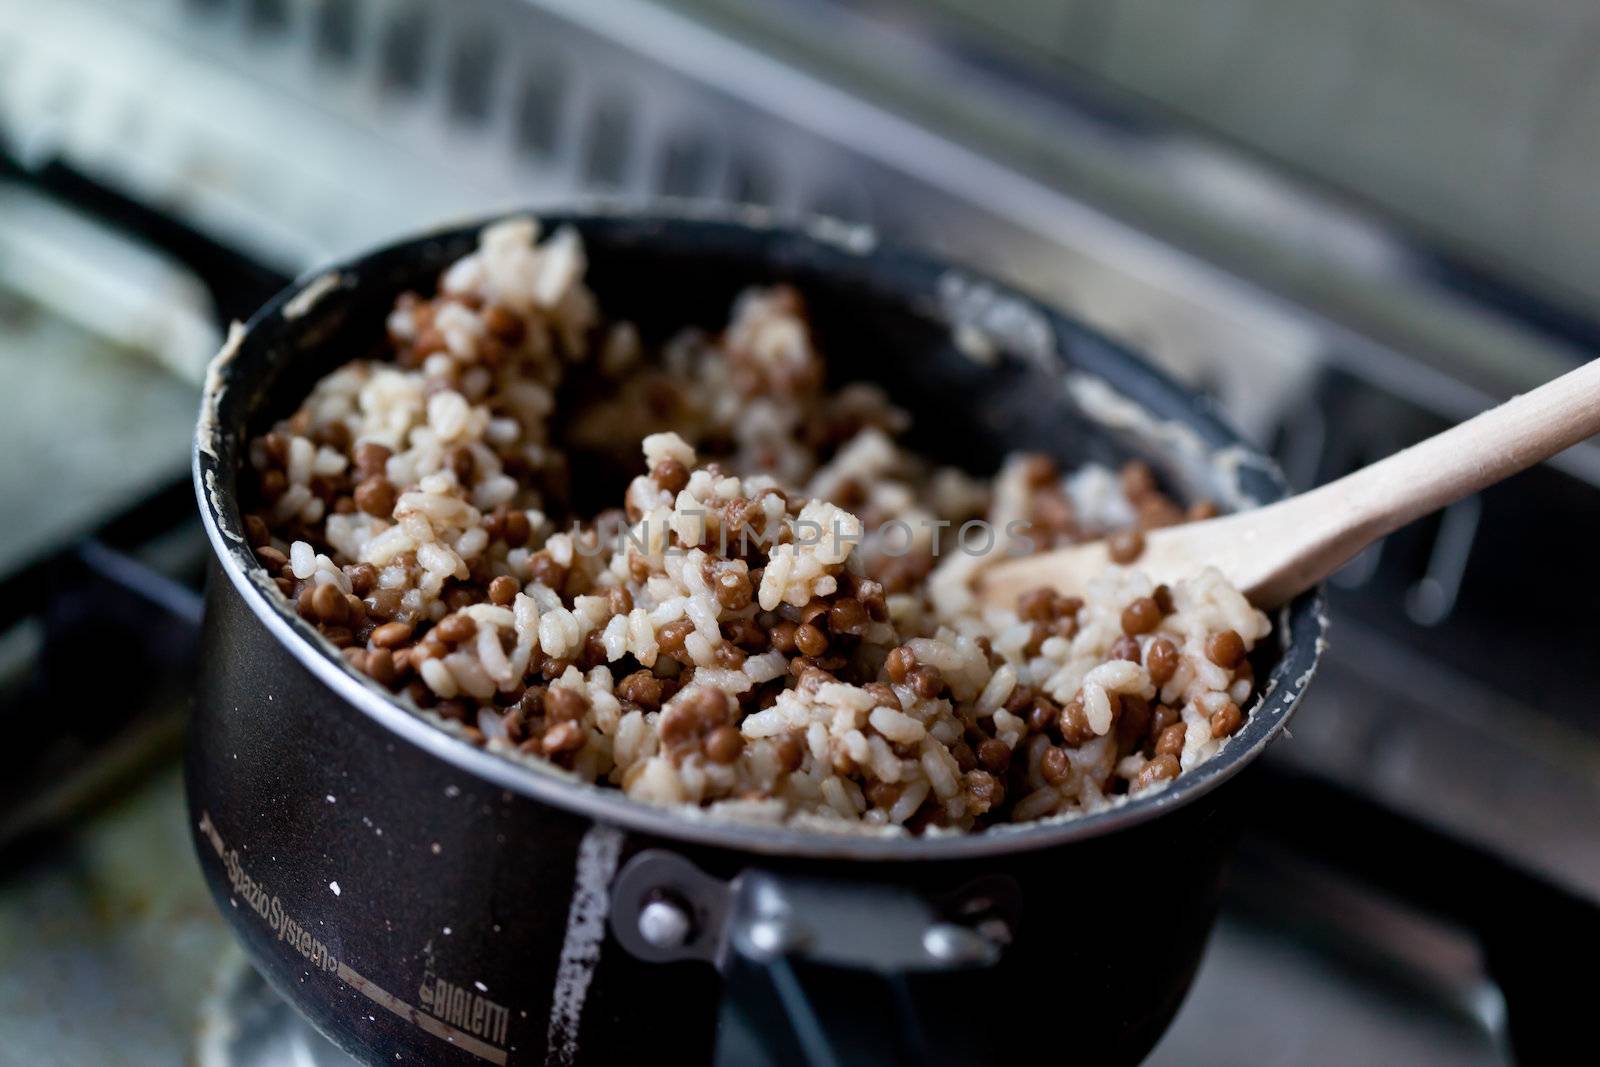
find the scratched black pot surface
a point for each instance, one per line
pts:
(420, 900)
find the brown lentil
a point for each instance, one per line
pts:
(1161, 769)
(564, 704)
(733, 590)
(1055, 766)
(724, 744)
(671, 475)
(1225, 649)
(562, 737)
(547, 572)
(641, 688)
(329, 605)
(1125, 546)
(901, 662)
(1133, 720)
(810, 675)
(1042, 715)
(926, 682)
(371, 459)
(689, 718)
(1038, 469)
(1161, 717)
(363, 578)
(810, 640)
(376, 496)
(391, 635)
(783, 637)
(1141, 616)
(273, 485)
(503, 590)
(994, 755)
(516, 529)
(789, 753)
(984, 791)
(1035, 605)
(454, 629)
(503, 324)
(1226, 719)
(1075, 728)
(746, 634)
(847, 616)
(256, 531)
(881, 794)
(815, 613)
(1138, 480)
(1161, 660)
(276, 446)
(884, 695)
(871, 596)
(379, 664)
(670, 637)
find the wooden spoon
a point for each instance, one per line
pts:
(1272, 553)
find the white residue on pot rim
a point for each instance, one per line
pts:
(314, 291)
(985, 320)
(1219, 470)
(209, 430)
(853, 237)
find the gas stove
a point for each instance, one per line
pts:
(170, 162)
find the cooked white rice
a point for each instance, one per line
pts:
(802, 671)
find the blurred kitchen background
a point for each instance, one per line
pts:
(1350, 222)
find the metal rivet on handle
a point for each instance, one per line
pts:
(775, 937)
(957, 945)
(664, 924)
(664, 908)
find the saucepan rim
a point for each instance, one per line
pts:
(915, 279)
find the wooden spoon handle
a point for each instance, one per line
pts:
(1313, 534)
(1273, 553)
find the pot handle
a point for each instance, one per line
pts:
(824, 972)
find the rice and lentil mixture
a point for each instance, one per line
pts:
(702, 644)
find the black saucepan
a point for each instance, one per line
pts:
(421, 900)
